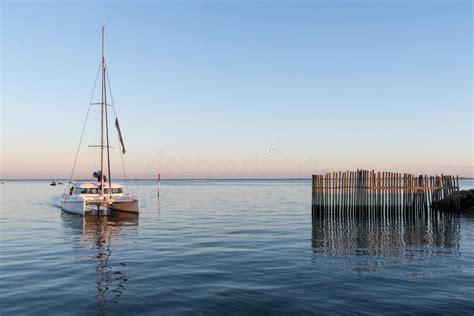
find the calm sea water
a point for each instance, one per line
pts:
(228, 247)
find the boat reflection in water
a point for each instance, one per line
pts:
(103, 232)
(370, 240)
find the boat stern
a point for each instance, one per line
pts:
(73, 206)
(125, 204)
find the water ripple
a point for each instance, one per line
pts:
(233, 247)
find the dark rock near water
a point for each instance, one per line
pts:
(464, 201)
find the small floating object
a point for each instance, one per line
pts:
(54, 183)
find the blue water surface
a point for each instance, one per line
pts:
(228, 247)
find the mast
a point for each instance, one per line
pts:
(104, 118)
(102, 107)
(107, 131)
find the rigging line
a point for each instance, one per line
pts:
(83, 129)
(115, 114)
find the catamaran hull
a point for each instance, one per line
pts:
(79, 206)
(132, 206)
(73, 206)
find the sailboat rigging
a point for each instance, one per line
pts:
(101, 193)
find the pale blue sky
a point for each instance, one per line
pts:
(351, 84)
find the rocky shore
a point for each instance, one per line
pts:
(464, 200)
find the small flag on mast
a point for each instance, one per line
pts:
(120, 135)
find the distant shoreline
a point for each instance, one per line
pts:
(154, 179)
(190, 179)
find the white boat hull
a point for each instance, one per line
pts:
(73, 206)
(131, 206)
(80, 205)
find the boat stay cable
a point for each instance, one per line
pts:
(83, 129)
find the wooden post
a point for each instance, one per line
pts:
(158, 189)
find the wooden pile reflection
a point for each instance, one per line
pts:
(408, 234)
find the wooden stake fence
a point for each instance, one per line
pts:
(369, 190)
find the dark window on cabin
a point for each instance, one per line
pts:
(79, 191)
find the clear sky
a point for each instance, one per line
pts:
(239, 88)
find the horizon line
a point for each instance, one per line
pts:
(135, 179)
(178, 179)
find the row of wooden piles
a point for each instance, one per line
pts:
(371, 190)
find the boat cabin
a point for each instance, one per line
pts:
(93, 188)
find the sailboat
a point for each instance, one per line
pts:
(102, 193)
